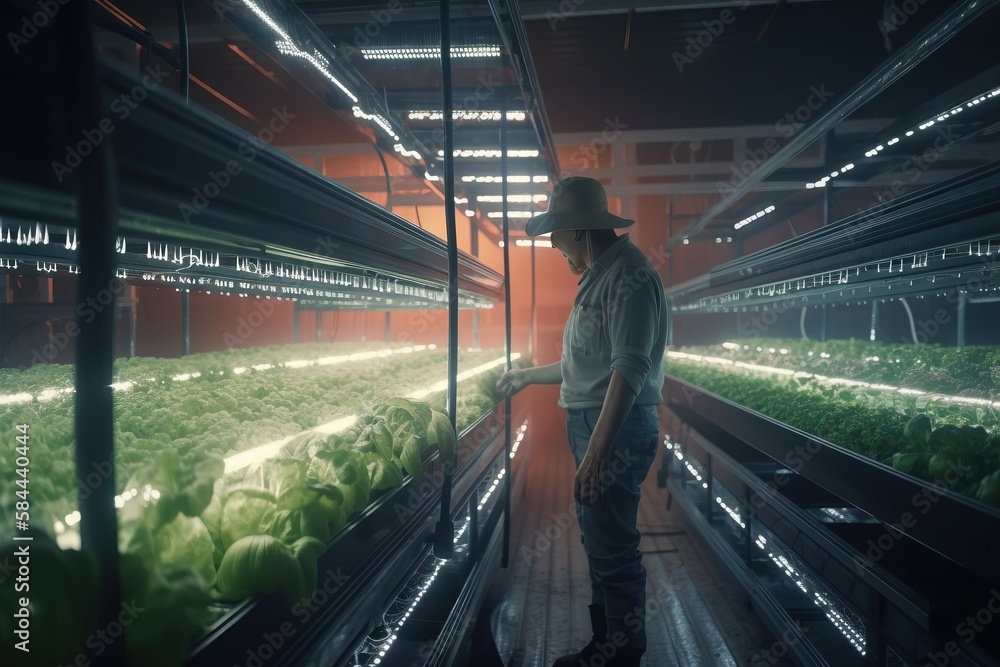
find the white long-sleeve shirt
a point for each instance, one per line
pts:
(618, 322)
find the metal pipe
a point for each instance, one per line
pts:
(185, 323)
(319, 325)
(504, 559)
(295, 321)
(963, 300)
(182, 38)
(388, 326)
(933, 37)
(96, 221)
(445, 530)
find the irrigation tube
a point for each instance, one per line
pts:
(444, 535)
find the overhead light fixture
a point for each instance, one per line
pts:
(756, 216)
(512, 214)
(432, 52)
(936, 118)
(378, 119)
(539, 243)
(510, 179)
(462, 114)
(513, 199)
(491, 153)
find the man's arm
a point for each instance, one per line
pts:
(618, 403)
(515, 380)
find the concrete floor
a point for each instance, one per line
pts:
(699, 616)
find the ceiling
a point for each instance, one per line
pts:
(691, 86)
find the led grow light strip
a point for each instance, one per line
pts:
(937, 118)
(423, 52)
(521, 430)
(462, 114)
(377, 119)
(514, 214)
(732, 512)
(756, 216)
(517, 178)
(490, 153)
(269, 450)
(513, 199)
(784, 564)
(493, 487)
(465, 375)
(381, 648)
(828, 380)
(49, 394)
(287, 46)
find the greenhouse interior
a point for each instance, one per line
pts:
(268, 399)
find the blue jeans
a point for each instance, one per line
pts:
(608, 527)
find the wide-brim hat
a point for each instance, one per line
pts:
(577, 202)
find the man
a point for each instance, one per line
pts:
(611, 376)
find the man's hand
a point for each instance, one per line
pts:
(511, 382)
(590, 478)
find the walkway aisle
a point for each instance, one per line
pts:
(698, 614)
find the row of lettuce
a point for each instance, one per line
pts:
(42, 377)
(220, 414)
(940, 438)
(966, 371)
(193, 539)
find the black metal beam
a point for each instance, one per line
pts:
(946, 26)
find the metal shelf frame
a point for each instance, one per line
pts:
(745, 453)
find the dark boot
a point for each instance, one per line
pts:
(599, 623)
(625, 657)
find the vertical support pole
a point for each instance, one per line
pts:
(185, 323)
(182, 38)
(709, 500)
(533, 322)
(388, 326)
(445, 531)
(295, 320)
(319, 325)
(474, 249)
(822, 323)
(504, 559)
(871, 334)
(748, 530)
(132, 321)
(963, 301)
(96, 222)
(473, 527)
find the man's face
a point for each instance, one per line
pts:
(574, 251)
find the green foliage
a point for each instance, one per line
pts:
(929, 436)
